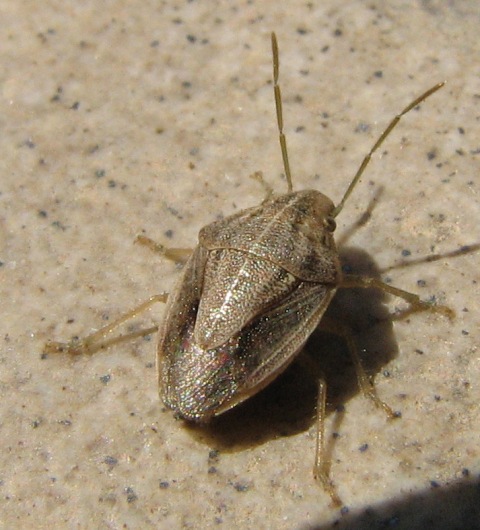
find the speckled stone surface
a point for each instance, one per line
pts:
(148, 117)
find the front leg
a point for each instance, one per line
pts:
(102, 339)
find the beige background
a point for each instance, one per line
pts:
(123, 117)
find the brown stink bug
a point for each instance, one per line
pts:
(251, 293)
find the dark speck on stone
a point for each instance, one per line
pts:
(213, 454)
(241, 486)
(131, 495)
(110, 461)
(362, 127)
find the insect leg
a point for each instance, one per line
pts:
(364, 381)
(416, 304)
(178, 255)
(258, 176)
(321, 468)
(101, 339)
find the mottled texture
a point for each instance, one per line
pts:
(291, 231)
(237, 288)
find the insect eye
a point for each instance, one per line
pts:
(330, 224)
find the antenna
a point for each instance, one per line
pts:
(380, 141)
(278, 107)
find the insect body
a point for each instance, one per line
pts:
(251, 293)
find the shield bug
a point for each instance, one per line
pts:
(250, 294)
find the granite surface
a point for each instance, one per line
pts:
(126, 118)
